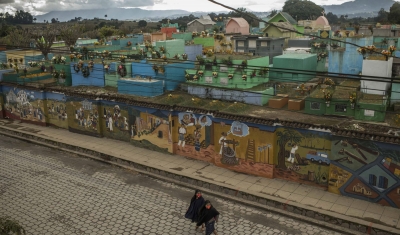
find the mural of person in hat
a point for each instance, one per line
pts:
(222, 142)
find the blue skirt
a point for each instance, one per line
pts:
(210, 227)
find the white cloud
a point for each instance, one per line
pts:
(43, 6)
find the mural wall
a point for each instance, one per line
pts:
(83, 116)
(303, 156)
(27, 106)
(232, 145)
(356, 168)
(56, 110)
(151, 129)
(366, 170)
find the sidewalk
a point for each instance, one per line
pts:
(308, 201)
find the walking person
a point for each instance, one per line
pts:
(208, 216)
(196, 203)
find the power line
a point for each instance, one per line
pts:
(291, 30)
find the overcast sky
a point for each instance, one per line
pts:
(43, 6)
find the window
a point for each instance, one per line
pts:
(223, 69)
(369, 113)
(240, 43)
(315, 106)
(252, 43)
(340, 108)
(264, 44)
(223, 81)
(208, 80)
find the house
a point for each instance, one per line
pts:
(237, 25)
(203, 24)
(259, 46)
(361, 189)
(168, 31)
(280, 30)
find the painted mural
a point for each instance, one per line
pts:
(56, 111)
(151, 129)
(83, 117)
(115, 121)
(24, 105)
(365, 170)
(303, 156)
(227, 145)
(360, 169)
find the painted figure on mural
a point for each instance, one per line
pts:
(181, 133)
(133, 130)
(222, 142)
(188, 120)
(292, 155)
(197, 136)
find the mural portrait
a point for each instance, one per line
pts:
(115, 121)
(303, 156)
(83, 117)
(56, 110)
(366, 170)
(24, 105)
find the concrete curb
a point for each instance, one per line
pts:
(326, 219)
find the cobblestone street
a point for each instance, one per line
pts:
(50, 192)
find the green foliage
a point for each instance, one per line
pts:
(9, 226)
(273, 13)
(302, 9)
(142, 23)
(20, 17)
(107, 31)
(394, 13)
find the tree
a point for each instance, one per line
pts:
(44, 37)
(302, 9)
(20, 38)
(107, 31)
(394, 13)
(53, 21)
(142, 23)
(273, 13)
(71, 33)
(10, 226)
(125, 29)
(92, 34)
(332, 18)
(284, 137)
(382, 16)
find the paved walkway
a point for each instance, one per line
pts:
(276, 189)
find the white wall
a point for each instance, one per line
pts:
(378, 69)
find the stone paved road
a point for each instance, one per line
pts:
(50, 192)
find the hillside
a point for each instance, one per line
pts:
(359, 6)
(112, 13)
